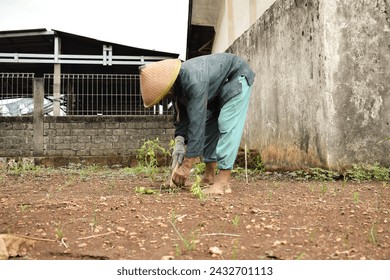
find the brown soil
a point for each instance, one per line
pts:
(99, 215)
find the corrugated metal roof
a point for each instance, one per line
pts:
(41, 41)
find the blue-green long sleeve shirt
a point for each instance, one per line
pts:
(203, 85)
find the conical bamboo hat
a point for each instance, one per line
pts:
(156, 80)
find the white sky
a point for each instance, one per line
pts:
(150, 24)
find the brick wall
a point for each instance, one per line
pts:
(82, 139)
(16, 137)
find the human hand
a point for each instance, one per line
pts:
(182, 173)
(178, 151)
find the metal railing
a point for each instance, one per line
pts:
(16, 85)
(85, 94)
(16, 94)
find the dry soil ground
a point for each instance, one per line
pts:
(92, 213)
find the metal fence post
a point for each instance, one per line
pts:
(57, 77)
(38, 86)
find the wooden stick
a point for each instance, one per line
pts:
(171, 184)
(221, 234)
(246, 166)
(97, 235)
(26, 237)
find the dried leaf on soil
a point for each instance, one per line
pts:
(12, 246)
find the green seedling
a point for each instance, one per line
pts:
(311, 235)
(177, 250)
(235, 249)
(24, 207)
(173, 216)
(356, 198)
(236, 221)
(312, 187)
(59, 233)
(300, 256)
(94, 222)
(270, 194)
(188, 243)
(373, 235)
(197, 190)
(324, 189)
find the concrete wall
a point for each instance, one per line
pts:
(322, 92)
(234, 18)
(101, 140)
(205, 12)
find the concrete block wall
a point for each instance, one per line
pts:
(322, 91)
(16, 136)
(104, 140)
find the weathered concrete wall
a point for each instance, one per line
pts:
(322, 91)
(359, 79)
(233, 17)
(103, 140)
(16, 136)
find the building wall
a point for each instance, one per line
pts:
(103, 140)
(322, 91)
(234, 18)
(204, 12)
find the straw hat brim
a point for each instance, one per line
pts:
(156, 79)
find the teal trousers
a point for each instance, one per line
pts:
(224, 130)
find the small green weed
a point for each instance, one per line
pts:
(177, 250)
(235, 249)
(197, 190)
(129, 171)
(312, 235)
(24, 207)
(94, 222)
(315, 174)
(199, 168)
(319, 174)
(147, 157)
(367, 172)
(324, 188)
(188, 243)
(147, 154)
(18, 167)
(110, 188)
(236, 221)
(300, 256)
(373, 234)
(173, 216)
(270, 195)
(356, 199)
(143, 190)
(59, 232)
(258, 164)
(380, 173)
